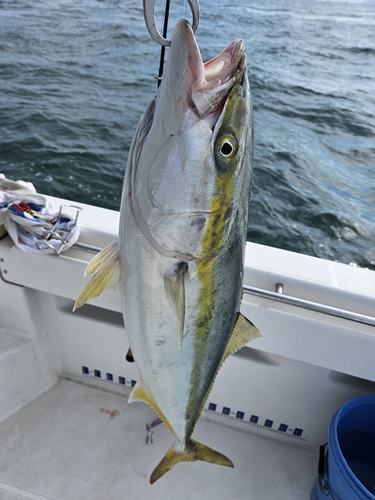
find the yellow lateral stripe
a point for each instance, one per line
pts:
(212, 243)
(213, 237)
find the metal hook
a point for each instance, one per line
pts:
(149, 14)
(63, 236)
(149, 427)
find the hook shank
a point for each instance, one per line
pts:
(149, 14)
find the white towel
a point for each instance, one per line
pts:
(32, 222)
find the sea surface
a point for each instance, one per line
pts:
(75, 77)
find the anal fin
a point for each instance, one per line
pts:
(141, 393)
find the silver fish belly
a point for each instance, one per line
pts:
(183, 223)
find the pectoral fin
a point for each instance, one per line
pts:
(105, 268)
(174, 286)
(101, 258)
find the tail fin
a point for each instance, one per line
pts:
(194, 451)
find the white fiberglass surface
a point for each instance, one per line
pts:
(77, 442)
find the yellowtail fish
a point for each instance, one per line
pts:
(179, 258)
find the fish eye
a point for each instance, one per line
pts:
(227, 146)
(226, 149)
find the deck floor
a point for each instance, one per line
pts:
(80, 443)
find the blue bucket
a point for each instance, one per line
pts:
(347, 470)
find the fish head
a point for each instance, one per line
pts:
(191, 158)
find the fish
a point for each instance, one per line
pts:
(179, 258)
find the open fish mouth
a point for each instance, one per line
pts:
(188, 81)
(215, 78)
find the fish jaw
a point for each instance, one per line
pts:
(221, 74)
(188, 83)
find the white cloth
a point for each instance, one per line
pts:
(30, 219)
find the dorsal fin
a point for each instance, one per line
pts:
(243, 332)
(105, 268)
(174, 286)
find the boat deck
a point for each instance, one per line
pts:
(76, 438)
(78, 442)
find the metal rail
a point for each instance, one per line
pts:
(311, 306)
(86, 248)
(278, 296)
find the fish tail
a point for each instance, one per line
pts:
(193, 451)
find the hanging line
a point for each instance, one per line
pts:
(149, 15)
(162, 51)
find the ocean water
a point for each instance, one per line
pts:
(75, 77)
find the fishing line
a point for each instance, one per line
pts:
(162, 51)
(149, 15)
(183, 8)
